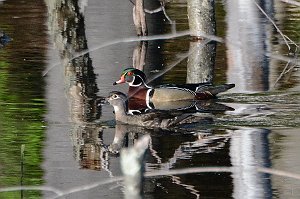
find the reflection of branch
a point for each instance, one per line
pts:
(292, 2)
(123, 40)
(61, 194)
(162, 8)
(184, 151)
(284, 58)
(203, 144)
(192, 189)
(278, 30)
(286, 69)
(281, 74)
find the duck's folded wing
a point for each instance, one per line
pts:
(192, 87)
(190, 118)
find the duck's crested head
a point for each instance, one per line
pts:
(131, 76)
(116, 98)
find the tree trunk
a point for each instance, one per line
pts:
(201, 14)
(201, 62)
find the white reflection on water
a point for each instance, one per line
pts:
(247, 36)
(248, 149)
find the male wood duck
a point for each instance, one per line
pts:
(156, 119)
(153, 96)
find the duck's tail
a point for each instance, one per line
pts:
(208, 92)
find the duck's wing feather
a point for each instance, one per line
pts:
(155, 115)
(192, 87)
(190, 118)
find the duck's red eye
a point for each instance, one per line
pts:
(130, 73)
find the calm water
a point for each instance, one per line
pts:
(66, 131)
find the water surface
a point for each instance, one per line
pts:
(66, 131)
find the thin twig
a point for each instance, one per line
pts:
(286, 69)
(284, 58)
(282, 73)
(278, 30)
(295, 3)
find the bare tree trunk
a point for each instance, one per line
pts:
(201, 62)
(201, 14)
(139, 18)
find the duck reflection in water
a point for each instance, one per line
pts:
(122, 134)
(200, 141)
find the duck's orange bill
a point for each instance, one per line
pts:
(121, 80)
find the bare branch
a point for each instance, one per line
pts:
(162, 8)
(278, 30)
(282, 73)
(122, 40)
(292, 2)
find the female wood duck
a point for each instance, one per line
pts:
(152, 97)
(160, 119)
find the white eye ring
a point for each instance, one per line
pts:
(114, 96)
